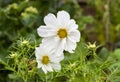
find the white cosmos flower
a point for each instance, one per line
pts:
(47, 59)
(60, 33)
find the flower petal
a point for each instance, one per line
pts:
(74, 36)
(49, 42)
(63, 17)
(49, 67)
(50, 20)
(71, 25)
(60, 46)
(44, 69)
(38, 52)
(70, 46)
(39, 64)
(57, 57)
(56, 66)
(45, 31)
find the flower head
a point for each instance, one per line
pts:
(13, 55)
(25, 42)
(47, 59)
(60, 33)
(31, 10)
(91, 46)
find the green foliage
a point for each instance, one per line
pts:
(84, 65)
(21, 18)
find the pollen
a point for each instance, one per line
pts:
(62, 33)
(45, 60)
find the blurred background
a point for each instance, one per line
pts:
(98, 20)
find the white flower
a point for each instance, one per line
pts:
(60, 33)
(47, 59)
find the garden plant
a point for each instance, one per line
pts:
(59, 40)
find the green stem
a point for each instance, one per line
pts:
(45, 77)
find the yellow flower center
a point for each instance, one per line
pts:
(45, 60)
(62, 33)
